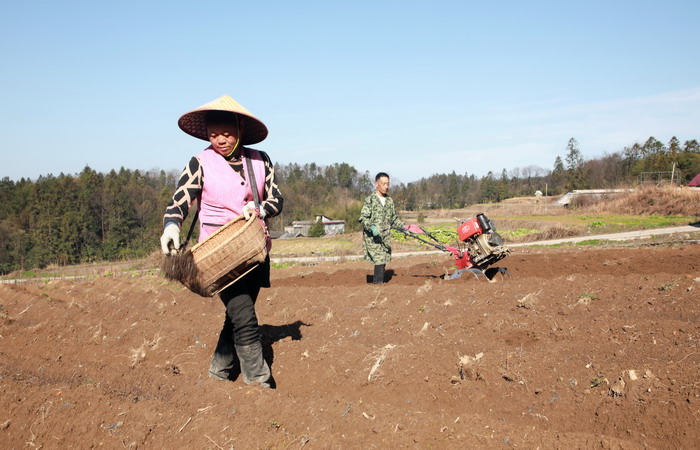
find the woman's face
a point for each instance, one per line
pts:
(223, 138)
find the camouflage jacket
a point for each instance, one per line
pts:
(378, 249)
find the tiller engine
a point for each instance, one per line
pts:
(480, 246)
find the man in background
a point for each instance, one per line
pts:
(378, 216)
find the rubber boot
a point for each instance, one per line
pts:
(223, 362)
(254, 368)
(378, 274)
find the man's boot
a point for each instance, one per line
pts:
(378, 274)
(223, 362)
(253, 366)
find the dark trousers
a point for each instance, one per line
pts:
(378, 277)
(241, 323)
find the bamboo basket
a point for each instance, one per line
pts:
(226, 255)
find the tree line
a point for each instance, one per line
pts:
(651, 161)
(92, 216)
(68, 219)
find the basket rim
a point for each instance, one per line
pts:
(224, 227)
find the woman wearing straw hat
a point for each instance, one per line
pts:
(218, 178)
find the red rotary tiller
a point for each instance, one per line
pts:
(480, 246)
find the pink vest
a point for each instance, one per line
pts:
(224, 192)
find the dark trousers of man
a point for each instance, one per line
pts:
(378, 277)
(239, 340)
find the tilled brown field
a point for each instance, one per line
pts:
(579, 349)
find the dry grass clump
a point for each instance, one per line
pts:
(654, 200)
(513, 224)
(593, 202)
(181, 267)
(554, 232)
(137, 355)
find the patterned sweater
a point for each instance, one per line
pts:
(189, 188)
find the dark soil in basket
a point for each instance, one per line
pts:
(181, 267)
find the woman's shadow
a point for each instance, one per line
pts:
(269, 334)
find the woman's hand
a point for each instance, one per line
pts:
(170, 240)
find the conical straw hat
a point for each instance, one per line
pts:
(252, 129)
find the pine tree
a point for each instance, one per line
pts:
(691, 146)
(674, 146)
(317, 229)
(653, 147)
(575, 171)
(558, 165)
(453, 191)
(88, 221)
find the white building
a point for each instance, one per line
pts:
(330, 226)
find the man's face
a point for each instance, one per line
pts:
(223, 138)
(382, 185)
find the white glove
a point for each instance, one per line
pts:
(248, 210)
(171, 233)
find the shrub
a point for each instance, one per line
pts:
(317, 229)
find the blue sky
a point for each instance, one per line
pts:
(411, 88)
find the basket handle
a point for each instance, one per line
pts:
(251, 178)
(189, 233)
